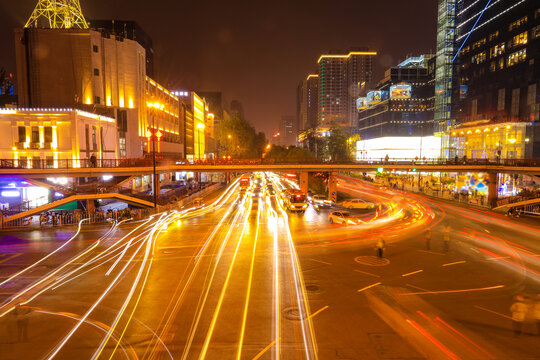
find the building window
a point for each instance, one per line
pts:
(22, 134)
(517, 23)
(494, 35)
(87, 136)
(517, 57)
(535, 32)
(497, 50)
(531, 94)
(94, 138)
(47, 132)
(500, 99)
(97, 100)
(520, 39)
(35, 134)
(474, 108)
(96, 72)
(514, 110)
(95, 48)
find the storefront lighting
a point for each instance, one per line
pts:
(511, 141)
(507, 127)
(11, 193)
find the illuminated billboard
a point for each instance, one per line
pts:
(401, 91)
(361, 103)
(374, 97)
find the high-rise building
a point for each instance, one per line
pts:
(342, 78)
(288, 130)
(308, 100)
(497, 70)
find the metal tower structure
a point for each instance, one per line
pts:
(57, 14)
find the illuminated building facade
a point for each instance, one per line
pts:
(342, 78)
(498, 60)
(288, 131)
(39, 138)
(164, 118)
(198, 126)
(402, 103)
(106, 76)
(484, 139)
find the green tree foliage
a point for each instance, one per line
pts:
(351, 145)
(239, 139)
(336, 146)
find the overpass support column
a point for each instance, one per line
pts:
(227, 177)
(304, 181)
(492, 189)
(332, 186)
(90, 207)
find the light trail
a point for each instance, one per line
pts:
(248, 293)
(224, 289)
(433, 340)
(454, 291)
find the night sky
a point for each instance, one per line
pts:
(254, 51)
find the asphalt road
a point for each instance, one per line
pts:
(230, 281)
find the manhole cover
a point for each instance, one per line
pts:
(292, 313)
(312, 288)
(371, 260)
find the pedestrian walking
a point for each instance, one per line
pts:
(518, 310)
(22, 314)
(428, 239)
(380, 247)
(536, 313)
(446, 238)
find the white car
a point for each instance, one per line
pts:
(358, 204)
(342, 217)
(321, 201)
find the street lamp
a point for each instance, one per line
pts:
(199, 128)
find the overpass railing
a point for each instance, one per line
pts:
(145, 162)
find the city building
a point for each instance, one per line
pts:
(402, 102)
(288, 131)
(343, 77)
(497, 65)
(127, 30)
(308, 102)
(198, 126)
(43, 137)
(107, 76)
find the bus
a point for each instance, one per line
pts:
(245, 181)
(294, 200)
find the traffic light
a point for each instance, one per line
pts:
(414, 170)
(380, 170)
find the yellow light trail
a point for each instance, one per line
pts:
(248, 293)
(368, 287)
(223, 291)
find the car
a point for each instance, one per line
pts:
(321, 201)
(342, 217)
(358, 204)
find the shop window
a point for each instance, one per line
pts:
(49, 162)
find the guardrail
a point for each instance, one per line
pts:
(144, 162)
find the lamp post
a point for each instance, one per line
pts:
(199, 128)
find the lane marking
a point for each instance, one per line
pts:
(454, 263)
(319, 261)
(431, 252)
(318, 311)
(493, 312)
(454, 291)
(412, 273)
(368, 287)
(498, 257)
(370, 274)
(266, 349)
(416, 287)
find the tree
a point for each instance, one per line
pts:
(336, 145)
(351, 145)
(238, 138)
